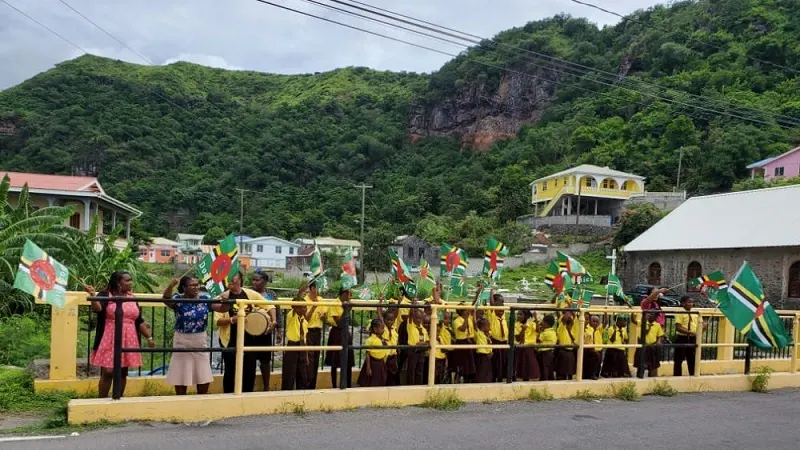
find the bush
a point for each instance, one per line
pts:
(22, 339)
(627, 392)
(443, 400)
(760, 382)
(17, 395)
(536, 395)
(664, 389)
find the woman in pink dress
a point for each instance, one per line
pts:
(119, 285)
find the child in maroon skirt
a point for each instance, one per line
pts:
(526, 333)
(462, 361)
(391, 337)
(373, 372)
(547, 337)
(483, 356)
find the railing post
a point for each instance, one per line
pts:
(579, 356)
(795, 331)
(633, 337)
(748, 355)
(642, 342)
(726, 335)
(698, 342)
(64, 338)
(433, 339)
(116, 393)
(344, 360)
(240, 319)
(512, 345)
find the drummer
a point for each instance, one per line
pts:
(237, 292)
(260, 280)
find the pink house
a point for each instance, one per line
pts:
(786, 165)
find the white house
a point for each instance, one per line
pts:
(270, 251)
(190, 241)
(330, 244)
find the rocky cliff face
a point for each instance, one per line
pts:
(479, 117)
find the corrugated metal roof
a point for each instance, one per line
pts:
(593, 170)
(54, 182)
(164, 241)
(759, 218)
(764, 162)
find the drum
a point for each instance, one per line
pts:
(257, 322)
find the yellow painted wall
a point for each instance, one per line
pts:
(193, 408)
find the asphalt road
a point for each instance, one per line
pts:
(688, 421)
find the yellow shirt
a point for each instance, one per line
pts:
(482, 339)
(375, 341)
(547, 337)
(334, 312)
(498, 327)
(617, 336)
(689, 321)
(403, 311)
(445, 338)
(316, 318)
(461, 335)
(593, 335)
(224, 331)
(416, 334)
(531, 334)
(564, 335)
(391, 337)
(654, 331)
(296, 327)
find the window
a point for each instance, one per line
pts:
(609, 184)
(694, 271)
(654, 274)
(588, 182)
(259, 248)
(166, 253)
(779, 171)
(291, 250)
(278, 249)
(794, 280)
(544, 186)
(75, 220)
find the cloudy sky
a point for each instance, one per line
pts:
(246, 34)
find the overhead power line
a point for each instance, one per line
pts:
(689, 38)
(559, 64)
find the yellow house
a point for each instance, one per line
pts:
(585, 190)
(84, 193)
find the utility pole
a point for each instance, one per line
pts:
(680, 163)
(241, 218)
(363, 188)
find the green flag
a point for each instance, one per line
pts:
(218, 268)
(614, 286)
(41, 276)
(457, 286)
(453, 261)
(317, 271)
(570, 265)
(426, 280)
(557, 279)
(710, 284)
(399, 270)
(583, 299)
(493, 258)
(745, 305)
(348, 278)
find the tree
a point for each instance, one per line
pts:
(19, 223)
(213, 236)
(636, 220)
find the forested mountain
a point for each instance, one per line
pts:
(715, 79)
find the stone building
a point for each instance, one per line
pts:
(719, 232)
(412, 249)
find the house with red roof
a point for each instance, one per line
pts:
(84, 193)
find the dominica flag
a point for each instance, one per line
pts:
(557, 279)
(582, 298)
(400, 272)
(217, 268)
(426, 280)
(317, 271)
(365, 293)
(493, 258)
(41, 276)
(454, 261)
(614, 286)
(745, 305)
(710, 284)
(571, 266)
(349, 278)
(458, 286)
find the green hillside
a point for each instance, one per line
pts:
(177, 140)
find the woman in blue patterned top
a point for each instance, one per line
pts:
(190, 369)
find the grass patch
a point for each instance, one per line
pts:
(299, 410)
(663, 389)
(152, 389)
(587, 395)
(443, 400)
(627, 392)
(760, 381)
(387, 405)
(535, 395)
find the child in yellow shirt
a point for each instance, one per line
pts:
(615, 363)
(417, 336)
(654, 334)
(526, 333)
(391, 337)
(547, 337)
(444, 338)
(373, 372)
(483, 356)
